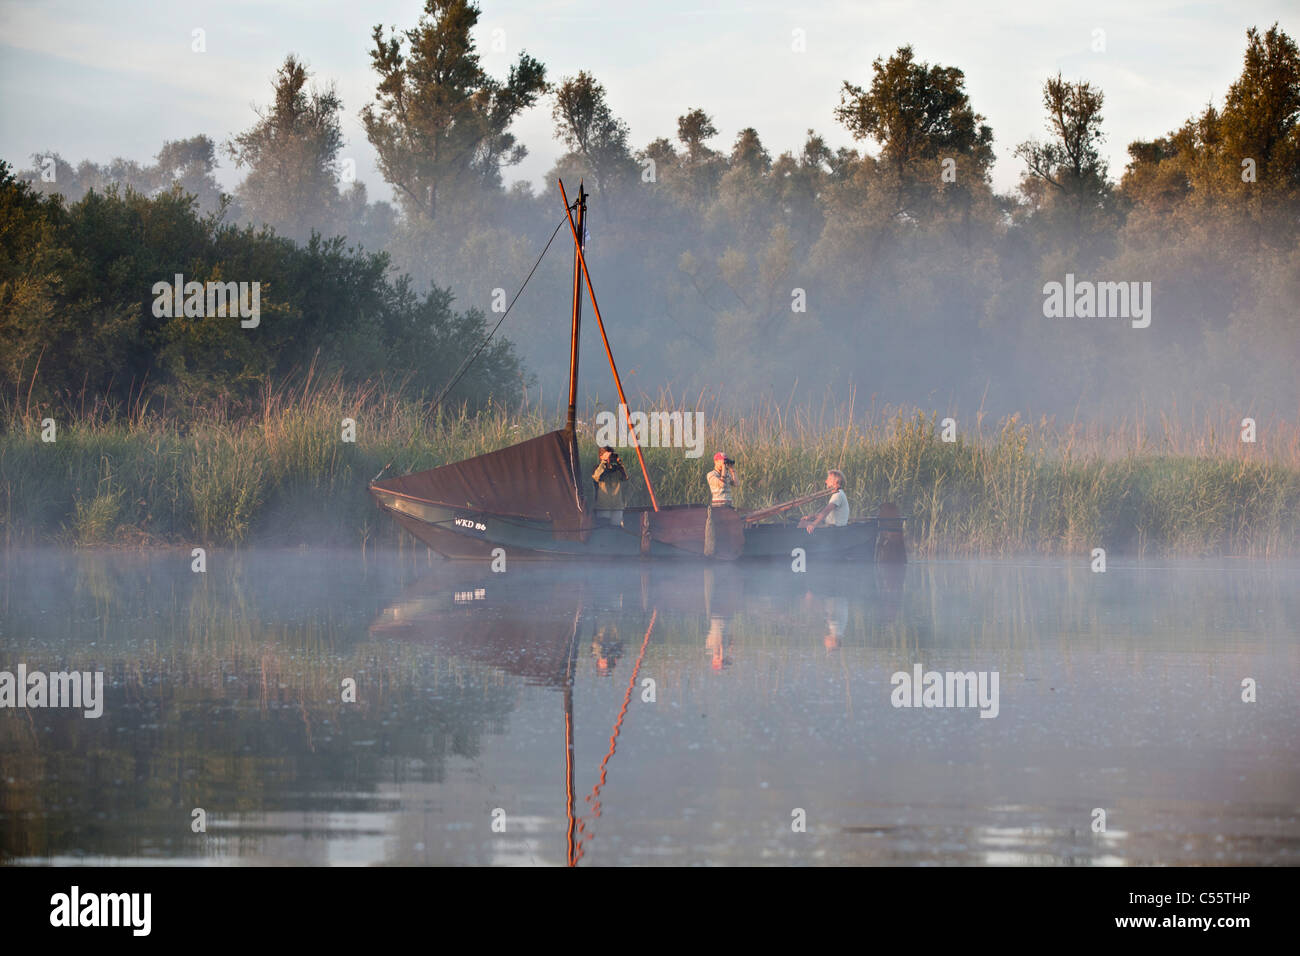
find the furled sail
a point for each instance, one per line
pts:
(536, 479)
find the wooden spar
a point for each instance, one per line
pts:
(576, 336)
(570, 668)
(591, 291)
(762, 513)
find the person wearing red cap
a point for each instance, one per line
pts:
(721, 480)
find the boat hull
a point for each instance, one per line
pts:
(674, 533)
(855, 541)
(688, 532)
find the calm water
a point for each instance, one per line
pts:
(771, 705)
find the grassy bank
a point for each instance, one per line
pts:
(287, 477)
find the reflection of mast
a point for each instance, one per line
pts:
(569, 668)
(613, 743)
(568, 771)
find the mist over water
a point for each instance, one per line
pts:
(772, 693)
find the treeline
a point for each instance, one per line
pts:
(90, 322)
(896, 267)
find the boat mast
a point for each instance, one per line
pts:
(571, 425)
(609, 353)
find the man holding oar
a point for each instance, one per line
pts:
(836, 512)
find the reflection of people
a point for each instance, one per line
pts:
(716, 642)
(721, 480)
(606, 648)
(837, 619)
(609, 477)
(836, 512)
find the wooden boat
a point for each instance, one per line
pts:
(526, 501)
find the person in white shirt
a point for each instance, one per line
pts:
(836, 512)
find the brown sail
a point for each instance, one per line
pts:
(535, 479)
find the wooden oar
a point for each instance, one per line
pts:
(771, 510)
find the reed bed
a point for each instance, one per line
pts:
(1159, 484)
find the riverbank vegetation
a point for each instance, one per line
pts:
(286, 476)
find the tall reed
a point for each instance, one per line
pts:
(1013, 486)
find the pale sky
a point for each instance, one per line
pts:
(94, 80)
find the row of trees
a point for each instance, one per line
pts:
(895, 267)
(81, 326)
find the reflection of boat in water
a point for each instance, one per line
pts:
(538, 623)
(495, 625)
(527, 499)
(512, 624)
(472, 609)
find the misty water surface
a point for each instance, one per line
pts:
(772, 694)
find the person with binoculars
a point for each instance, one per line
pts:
(836, 512)
(721, 480)
(609, 477)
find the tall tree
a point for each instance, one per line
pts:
(292, 155)
(588, 127)
(748, 152)
(1069, 165)
(702, 165)
(1241, 163)
(661, 153)
(920, 115)
(693, 128)
(190, 164)
(32, 264)
(439, 121)
(1261, 114)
